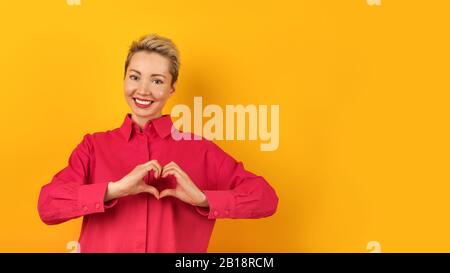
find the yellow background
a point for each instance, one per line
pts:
(364, 109)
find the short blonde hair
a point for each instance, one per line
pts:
(161, 45)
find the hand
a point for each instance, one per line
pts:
(185, 189)
(133, 183)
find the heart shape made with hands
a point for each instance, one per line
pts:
(172, 180)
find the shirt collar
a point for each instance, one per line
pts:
(162, 125)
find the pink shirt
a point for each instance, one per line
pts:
(141, 223)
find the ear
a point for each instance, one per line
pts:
(173, 88)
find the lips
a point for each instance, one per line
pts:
(142, 103)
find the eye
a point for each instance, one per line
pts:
(158, 81)
(133, 77)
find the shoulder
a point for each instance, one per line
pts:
(92, 139)
(103, 135)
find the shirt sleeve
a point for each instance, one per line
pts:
(235, 192)
(70, 194)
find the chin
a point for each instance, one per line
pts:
(144, 113)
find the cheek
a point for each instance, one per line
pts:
(161, 94)
(128, 89)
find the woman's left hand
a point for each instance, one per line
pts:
(185, 190)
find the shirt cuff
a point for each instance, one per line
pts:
(91, 198)
(221, 205)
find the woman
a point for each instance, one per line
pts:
(139, 188)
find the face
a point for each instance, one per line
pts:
(147, 85)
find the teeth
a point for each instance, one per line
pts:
(144, 102)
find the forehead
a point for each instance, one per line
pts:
(149, 62)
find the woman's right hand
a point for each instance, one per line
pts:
(133, 183)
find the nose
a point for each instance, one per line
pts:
(144, 89)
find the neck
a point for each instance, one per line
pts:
(141, 121)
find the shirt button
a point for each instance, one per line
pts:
(97, 206)
(85, 208)
(227, 212)
(216, 213)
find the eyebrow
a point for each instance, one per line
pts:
(134, 70)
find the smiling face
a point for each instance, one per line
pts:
(147, 85)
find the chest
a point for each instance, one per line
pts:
(114, 161)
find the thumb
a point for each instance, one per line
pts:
(152, 190)
(168, 192)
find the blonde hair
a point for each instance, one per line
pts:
(160, 45)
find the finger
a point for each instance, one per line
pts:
(173, 171)
(179, 177)
(178, 168)
(168, 192)
(154, 165)
(157, 170)
(151, 162)
(171, 164)
(175, 164)
(152, 190)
